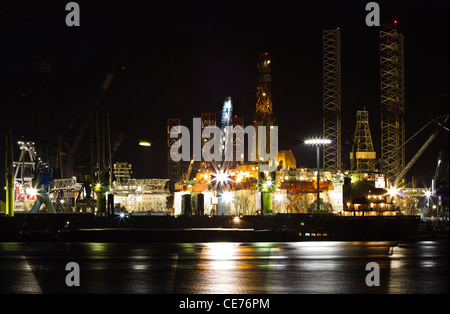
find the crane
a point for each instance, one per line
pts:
(423, 148)
(94, 103)
(188, 174)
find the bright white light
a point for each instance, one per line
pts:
(227, 196)
(279, 197)
(31, 191)
(236, 219)
(267, 184)
(393, 191)
(139, 198)
(318, 141)
(122, 215)
(220, 251)
(428, 193)
(221, 177)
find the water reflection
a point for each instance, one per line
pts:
(231, 268)
(419, 267)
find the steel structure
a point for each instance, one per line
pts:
(363, 155)
(208, 119)
(392, 101)
(227, 112)
(122, 171)
(43, 177)
(332, 98)
(263, 88)
(25, 167)
(173, 167)
(101, 165)
(264, 117)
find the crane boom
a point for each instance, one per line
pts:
(419, 153)
(100, 94)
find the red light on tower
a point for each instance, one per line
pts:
(338, 28)
(395, 21)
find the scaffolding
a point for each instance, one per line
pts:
(332, 98)
(363, 155)
(392, 100)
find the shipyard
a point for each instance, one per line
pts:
(229, 172)
(251, 139)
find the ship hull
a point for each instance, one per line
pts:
(281, 227)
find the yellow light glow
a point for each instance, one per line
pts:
(145, 143)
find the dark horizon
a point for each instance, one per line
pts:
(183, 59)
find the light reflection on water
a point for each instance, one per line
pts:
(290, 267)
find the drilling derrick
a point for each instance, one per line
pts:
(263, 113)
(363, 155)
(392, 101)
(264, 117)
(263, 93)
(332, 98)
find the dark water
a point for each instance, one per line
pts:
(222, 268)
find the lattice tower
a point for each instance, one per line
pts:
(332, 98)
(392, 100)
(364, 152)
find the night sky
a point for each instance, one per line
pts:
(183, 58)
